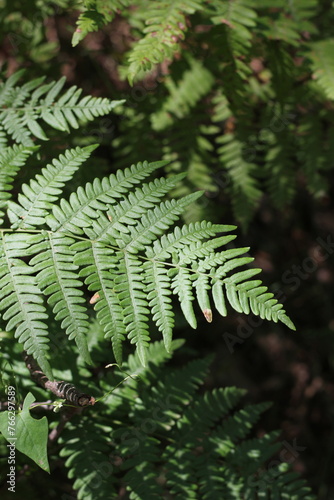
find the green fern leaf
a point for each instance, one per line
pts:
(229, 434)
(183, 95)
(96, 261)
(85, 449)
(98, 13)
(239, 17)
(197, 445)
(302, 11)
(281, 27)
(157, 354)
(21, 299)
(57, 278)
(45, 188)
(22, 107)
(165, 28)
(156, 221)
(133, 299)
(160, 303)
(11, 160)
(126, 257)
(281, 180)
(122, 218)
(245, 191)
(323, 66)
(186, 235)
(82, 207)
(311, 153)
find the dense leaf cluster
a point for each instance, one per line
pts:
(247, 78)
(236, 85)
(159, 437)
(117, 237)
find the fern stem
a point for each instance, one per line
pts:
(62, 390)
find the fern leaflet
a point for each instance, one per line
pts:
(22, 107)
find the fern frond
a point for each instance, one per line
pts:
(190, 431)
(133, 299)
(165, 28)
(11, 160)
(21, 299)
(178, 388)
(312, 156)
(159, 300)
(158, 220)
(284, 482)
(56, 276)
(142, 479)
(98, 13)
(283, 69)
(195, 83)
(96, 261)
(23, 107)
(302, 10)
(85, 451)
(237, 22)
(83, 205)
(323, 65)
(131, 279)
(127, 257)
(280, 26)
(229, 434)
(136, 207)
(244, 186)
(205, 411)
(157, 355)
(45, 188)
(281, 181)
(180, 443)
(259, 448)
(186, 235)
(221, 110)
(240, 19)
(191, 153)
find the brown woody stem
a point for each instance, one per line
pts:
(63, 390)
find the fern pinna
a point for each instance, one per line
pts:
(23, 107)
(159, 438)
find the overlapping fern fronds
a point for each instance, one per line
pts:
(168, 440)
(116, 236)
(261, 61)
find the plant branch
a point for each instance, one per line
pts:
(63, 390)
